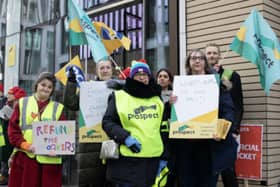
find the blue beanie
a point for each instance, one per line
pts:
(137, 66)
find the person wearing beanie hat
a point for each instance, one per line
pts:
(28, 169)
(133, 119)
(13, 95)
(138, 67)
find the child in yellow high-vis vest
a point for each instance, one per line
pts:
(28, 169)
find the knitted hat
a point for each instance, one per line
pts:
(17, 92)
(137, 66)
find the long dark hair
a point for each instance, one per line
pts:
(188, 66)
(169, 75)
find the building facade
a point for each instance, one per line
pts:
(33, 38)
(218, 21)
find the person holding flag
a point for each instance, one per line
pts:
(213, 55)
(102, 40)
(89, 152)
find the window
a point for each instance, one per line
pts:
(38, 50)
(35, 12)
(157, 33)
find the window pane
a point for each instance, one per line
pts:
(156, 33)
(64, 45)
(32, 60)
(3, 8)
(39, 50)
(35, 12)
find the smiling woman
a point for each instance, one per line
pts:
(28, 169)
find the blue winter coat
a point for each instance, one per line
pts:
(224, 152)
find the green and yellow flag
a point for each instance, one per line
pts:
(75, 64)
(257, 42)
(111, 39)
(82, 32)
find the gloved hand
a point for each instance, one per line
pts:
(71, 75)
(162, 164)
(133, 144)
(115, 84)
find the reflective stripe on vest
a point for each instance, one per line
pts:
(2, 139)
(29, 110)
(142, 118)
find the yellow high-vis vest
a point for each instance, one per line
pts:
(142, 118)
(2, 139)
(29, 111)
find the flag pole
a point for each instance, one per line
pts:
(70, 53)
(224, 56)
(117, 66)
(86, 63)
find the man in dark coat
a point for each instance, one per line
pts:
(212, 51)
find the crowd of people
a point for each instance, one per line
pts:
(136, 118)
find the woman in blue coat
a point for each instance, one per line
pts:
(224, 152)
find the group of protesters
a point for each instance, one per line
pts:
(145, 149)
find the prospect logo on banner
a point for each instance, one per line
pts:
(249, 157)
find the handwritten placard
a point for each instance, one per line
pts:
(57, 137)
(195, 113)
(93, 104)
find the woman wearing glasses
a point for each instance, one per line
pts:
(202, 159)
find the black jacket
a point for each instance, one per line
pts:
(138, 171)
(237, 97)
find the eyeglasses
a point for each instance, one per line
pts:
(194, 58)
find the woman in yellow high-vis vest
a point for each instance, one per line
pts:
(28, 169)
(133, 119)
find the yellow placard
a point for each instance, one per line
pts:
(223, 127)
(12, 56)
(203, 126)
(92, 134)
